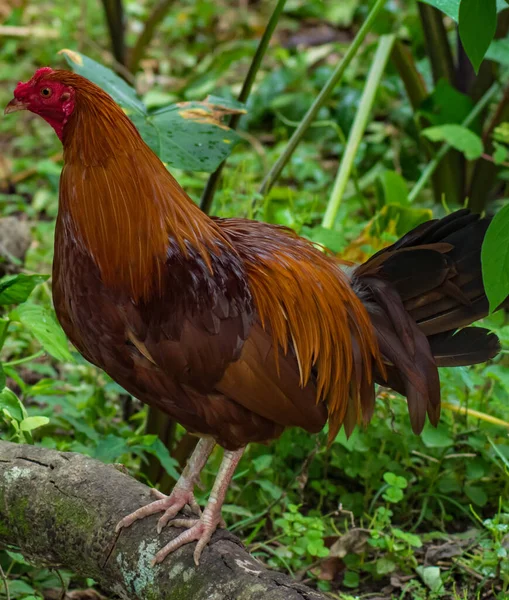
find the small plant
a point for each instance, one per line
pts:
(301, 538)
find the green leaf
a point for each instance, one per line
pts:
(431, 578)
(45, 328)
(233, 509)
(395, 480)
(31, 423)
(393, 494)
(17, 288)
(12, 404)
(446, 105)
(395, 189)
(499, 51)
(500, 154)
(110, 447)
(458, 137)
(274, 490)
(190, 136)
(351, 579)
(477, 494)
(2, 377)
(451, 7)
(384, 566)
(410, 538)
(105, 78)
(4, 325)
(160, 451)
(477, 25)
(436, 438)
(187, 135)
(495, 259)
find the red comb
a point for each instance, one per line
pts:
(36, 76)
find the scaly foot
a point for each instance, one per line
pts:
(199, 530)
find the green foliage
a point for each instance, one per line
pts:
(458, 137)
(186, 136)
(477, 24)
(495, 259)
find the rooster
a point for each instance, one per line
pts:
(238, 329)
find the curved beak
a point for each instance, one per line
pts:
(15, 105)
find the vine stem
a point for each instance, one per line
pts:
(382, 55)
(210, 188)
(326, 91)
(444, 149)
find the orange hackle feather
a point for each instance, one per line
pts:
(303, 297)
(121, 202)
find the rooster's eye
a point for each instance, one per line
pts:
(46, 92)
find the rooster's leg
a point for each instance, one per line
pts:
(201, 530)
(181, 494)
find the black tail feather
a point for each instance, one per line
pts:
(420, 292)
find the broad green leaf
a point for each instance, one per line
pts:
(188, 135)
(31, 423)
(12, 404)
(191, 136)
(477, 25)
(110, 447)
(105, 78)
(2, 377)
(384, 566)
(477, 494)
(45, 328)
(495, 259)
(451, 7)
(395, 189)
(458, 137)
(436, 438)
(431, 578)
(448, 7)
(499, 51)
(160, 451)
(351, 579)
(446, 105)
(17, 288)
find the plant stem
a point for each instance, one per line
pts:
(326, 91)
(437, 44)
(210, 188)
(114, 10)
(21, 361)
(147, 33)
(359, 125)
(444, 149)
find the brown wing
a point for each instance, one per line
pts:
(197, 327)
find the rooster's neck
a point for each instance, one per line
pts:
(120, 205)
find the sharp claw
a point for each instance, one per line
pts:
(171, 505)
(199, 531)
